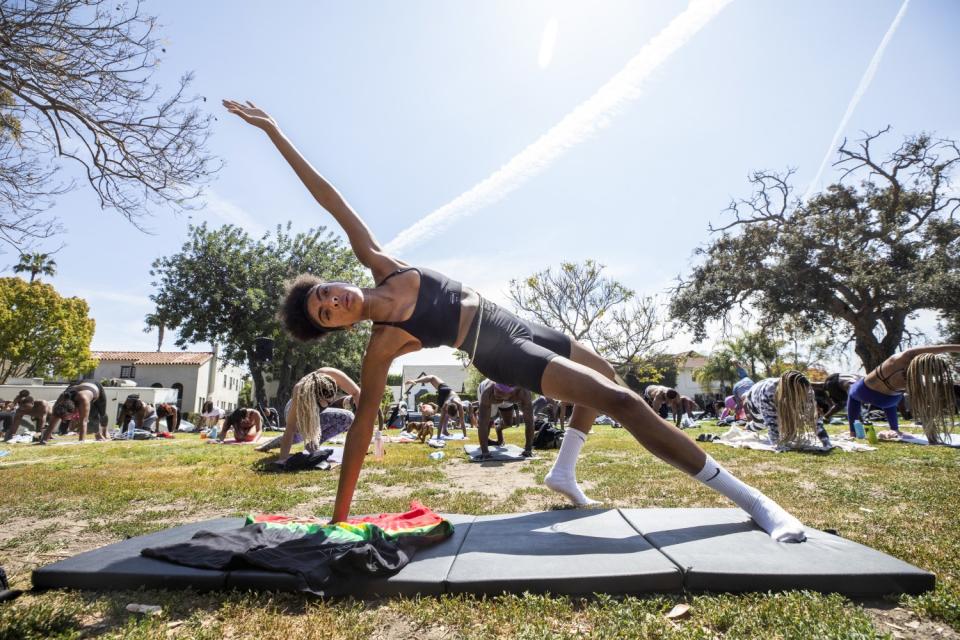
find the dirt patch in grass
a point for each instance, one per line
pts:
(902, 623)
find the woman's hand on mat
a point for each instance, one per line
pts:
(251, 114)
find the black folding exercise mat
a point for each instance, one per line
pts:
(723, 550)
(574, 551)
(570, 551)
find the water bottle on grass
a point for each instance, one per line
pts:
(378, 446)
(858, 430)
(872, 434)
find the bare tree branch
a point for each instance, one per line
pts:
(78, 73)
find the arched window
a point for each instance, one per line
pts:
(179, 388)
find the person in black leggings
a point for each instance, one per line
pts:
(446, 398)
(80, 402)
(415, 308)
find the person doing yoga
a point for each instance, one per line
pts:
(415, 308)
(309, 415)
(446, 398)
(925, 375)
(741, 386)
(247, 425)
(836, 388)
(143, 414)
(786, 407)
(662, 398)
(79, 403)
(28, 407)
(503, 396)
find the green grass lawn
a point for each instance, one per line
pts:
(59, 500)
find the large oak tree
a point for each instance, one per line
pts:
(857, 260)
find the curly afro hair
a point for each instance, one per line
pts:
(293, 309)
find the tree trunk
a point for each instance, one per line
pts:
(256, 372)
(873, 352)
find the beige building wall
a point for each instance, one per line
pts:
(195, 384)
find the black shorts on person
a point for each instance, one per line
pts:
(98, 408)
(511, 350)
(443, 394)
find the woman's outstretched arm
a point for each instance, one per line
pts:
(364, 245)
(934, 348)
(345, 382)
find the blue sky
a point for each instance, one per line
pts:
(406, 106)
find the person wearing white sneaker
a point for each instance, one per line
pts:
(415, 308)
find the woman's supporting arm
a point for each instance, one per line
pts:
(373, 378)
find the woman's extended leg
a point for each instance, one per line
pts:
(568, 380)
(562, 478)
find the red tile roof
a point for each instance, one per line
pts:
(154, 357)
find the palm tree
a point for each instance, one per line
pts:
(158, 322)
(36, 264)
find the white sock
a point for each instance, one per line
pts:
(771, 517)
(563, 476)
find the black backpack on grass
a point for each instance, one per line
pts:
(547, 436)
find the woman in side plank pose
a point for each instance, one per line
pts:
(925, 375)
(414, 308)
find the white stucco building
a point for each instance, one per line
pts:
(197, 376)
(687, 363)
(452, 374)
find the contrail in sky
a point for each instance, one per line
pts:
(577, 126)
(861, 89)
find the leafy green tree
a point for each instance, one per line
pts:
(578, 300)
(245, 397)
(224, 287)
(36, 264)
(41, 333)
(394, 379)
(854, 261)
(718, 368)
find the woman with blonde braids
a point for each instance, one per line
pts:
(922, 372)
(309, 415)
(786, 407)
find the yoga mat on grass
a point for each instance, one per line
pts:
(743, 439)
(910, 438)
(724, 550)
(571, 551)
(506, 453)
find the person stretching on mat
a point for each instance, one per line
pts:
(837, 389)
(169, 413)
(79, 403)
(490, 394)
(143, 414)
(924, 375)
(416, 308)
(27, 407)
(786, 407)
(247, 425)
(662, 398)
(445, 395)
(687, 407)
(310, 418)
(741, 386)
